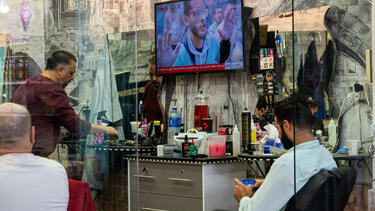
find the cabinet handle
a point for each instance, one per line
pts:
(144, 177)
(179, 179)
(151, 209)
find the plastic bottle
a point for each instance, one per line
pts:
(236, 141)
(192, 148)
(174, 122)
(332, 133)
(185, 147)
(253, 132)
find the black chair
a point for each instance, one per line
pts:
(325, 191)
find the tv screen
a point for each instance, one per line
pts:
(198, 35)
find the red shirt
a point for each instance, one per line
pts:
(151, 105)
(49, 106)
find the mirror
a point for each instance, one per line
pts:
(313, 50)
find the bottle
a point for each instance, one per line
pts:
(236, 141)
(192, 148)
(185, 147)
(200, 110)
(174, 123)
(253, 132)
(332, 133)
(246, 128)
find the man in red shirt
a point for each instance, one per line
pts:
(152, 108)
(44, 96)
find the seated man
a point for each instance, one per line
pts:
(27, 182)
(278, 187)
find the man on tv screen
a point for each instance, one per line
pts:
(199, 46)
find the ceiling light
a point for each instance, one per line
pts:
(4, 8)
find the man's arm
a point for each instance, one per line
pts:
(105, 129)
(274, 193)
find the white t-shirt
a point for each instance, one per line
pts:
(29, 182)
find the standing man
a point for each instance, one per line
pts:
(278, 187)
(152, 108)
(44, 96)
(27, 182)
(198, 46)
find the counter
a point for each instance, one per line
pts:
(183, 184)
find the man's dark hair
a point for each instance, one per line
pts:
(152, 60)
(217, 7)
(187, 7)
(284, 110)
(60, 58)
(262, 103)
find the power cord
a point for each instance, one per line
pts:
(230, 98)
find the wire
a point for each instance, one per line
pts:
(342, 105)
(368, 103)
(230, 98)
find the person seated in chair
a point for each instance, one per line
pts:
(278, 187)
(27, 181)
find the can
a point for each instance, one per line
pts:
(246, 128)
(207, 125)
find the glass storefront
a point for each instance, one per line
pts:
(160, 72)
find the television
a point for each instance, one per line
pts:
(198, 36)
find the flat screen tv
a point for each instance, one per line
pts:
(198, 36)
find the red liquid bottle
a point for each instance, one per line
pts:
(200, 110)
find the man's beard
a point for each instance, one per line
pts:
(64, 85)
(287, 143)
(156, 85)
(195, 31)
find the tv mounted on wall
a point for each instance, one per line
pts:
(198, 36)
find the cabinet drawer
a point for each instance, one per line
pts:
(175, 203)
(155, 202)
(147, 202)
(183, 180)
(148, 178)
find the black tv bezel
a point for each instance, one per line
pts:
(203, 71)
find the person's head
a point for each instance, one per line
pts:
(195, 12)
(218, 14)
(16, 132)
(261, 107)
(313, 106)
(231, 5)
(63, 66)
(289, 124)
(156, 80)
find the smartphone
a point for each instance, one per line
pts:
(248, 182)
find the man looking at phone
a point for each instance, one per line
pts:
(278, 187)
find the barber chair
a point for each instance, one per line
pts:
(325, 191)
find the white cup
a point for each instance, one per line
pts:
(353, 146)
(134, 125)
(159, 150)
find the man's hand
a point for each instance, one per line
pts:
(240, 190)
(228, 25)
(258, 183)
(166, 55)
(112, 131)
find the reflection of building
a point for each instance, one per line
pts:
(70, 13)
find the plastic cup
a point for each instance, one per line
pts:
(353, 146)
(160, 150)
(217, 146)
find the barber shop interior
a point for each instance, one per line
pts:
(187, 105)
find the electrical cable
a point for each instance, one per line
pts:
(230, 98)
(342, 105)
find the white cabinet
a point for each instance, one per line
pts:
(161, 184)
